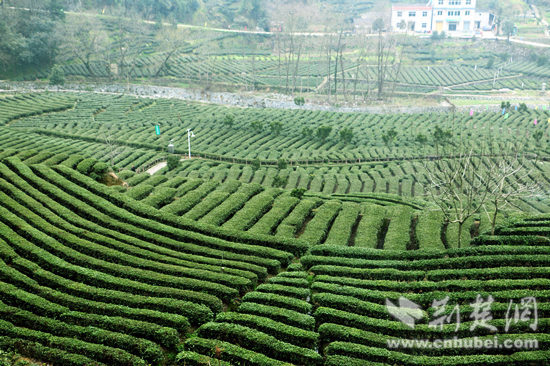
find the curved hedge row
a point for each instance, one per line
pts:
(106, 354)
(386, 356)
(71, 260)
(169, 237)
(286, 333)
(267, 242)
(115, 239)
(229, 352)
(260, 342)
(147, 350)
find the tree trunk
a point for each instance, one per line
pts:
(253, 72)
(343, 74)
(460, 224)
(336, 67)
(289, 62)
(88, 66)
(329, 57)
(295, 74)
(355, 82)
(494, 220)
(279, 57)
(380, 65)
(163, 65)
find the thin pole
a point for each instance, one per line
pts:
(189, 141)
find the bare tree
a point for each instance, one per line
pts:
(384, 59)
(343, 71)
(289, 52)
(337, 51)
(502, 171)
(86, 41)
(458, 188)
(172, 40)
(396, 69)
(297, 63)
(279, 56)
(358, 65)
(113, 147)
(329, 62)
(129, 41)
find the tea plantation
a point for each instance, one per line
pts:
(222, 261)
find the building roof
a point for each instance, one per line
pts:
(407, 7)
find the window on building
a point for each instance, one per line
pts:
(467, 12)
(440, 2)
(412, 13)
(468, 2)
(450, 13)
(452, 27)
(399, 13)
(440, 12)
(424, 13)
(424, 25)
(457, 12)
(454, 2)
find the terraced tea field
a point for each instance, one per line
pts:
(264, 71)
(79, 255)
(120, 130)
(219, 262)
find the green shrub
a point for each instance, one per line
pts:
(282, 164)
(298, 193)
(172, 162)
(279, 181)
(99, 170)
(229, 120)
(255, 164)
(299, 101)
(57, 76)
(86, 166)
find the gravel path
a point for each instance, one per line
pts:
(252, 100)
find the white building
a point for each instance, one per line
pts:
(415, 18)
(453, 17)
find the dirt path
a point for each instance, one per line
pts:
(155, 168)
(306, 34)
